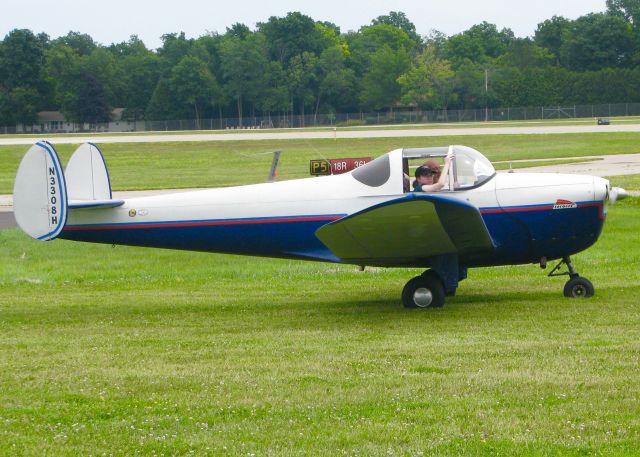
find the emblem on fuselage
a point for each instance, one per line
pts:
(564, 204)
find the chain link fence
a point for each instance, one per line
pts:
(338, 120)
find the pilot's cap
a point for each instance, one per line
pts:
(423, 170)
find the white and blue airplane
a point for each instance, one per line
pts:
(366, 217)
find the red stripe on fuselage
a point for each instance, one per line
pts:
(128, 226)
(518, 209)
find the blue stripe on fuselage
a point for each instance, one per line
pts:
(288, 236)
(522, 234)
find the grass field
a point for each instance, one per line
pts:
(130, 351)
(135, 166)
(535, 163)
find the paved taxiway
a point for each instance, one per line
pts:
(248, 135)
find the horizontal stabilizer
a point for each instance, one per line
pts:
(40, 193)
(86, 174)
(89, 204)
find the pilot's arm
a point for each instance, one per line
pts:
(439, 184)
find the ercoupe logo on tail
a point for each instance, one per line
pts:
(564, 204)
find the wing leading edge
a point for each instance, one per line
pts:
(407, 231)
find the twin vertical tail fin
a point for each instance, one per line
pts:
(40, 193)
(86, 174)
(88, 180)
(42, 197)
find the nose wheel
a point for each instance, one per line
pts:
(576, 286)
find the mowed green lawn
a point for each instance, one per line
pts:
(131, 351)
(124, 351)
(135, 166)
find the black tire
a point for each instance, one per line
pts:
(425, 291)
(578, 287)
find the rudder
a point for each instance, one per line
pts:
(40, 193)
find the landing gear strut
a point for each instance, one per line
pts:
(576, 286)
(430, 288)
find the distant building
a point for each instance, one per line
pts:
(55, 122)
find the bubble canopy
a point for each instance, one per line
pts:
(469, 168)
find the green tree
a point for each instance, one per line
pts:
(480, 43)
(19, 106)
(86, 86)
(429, 82)
(174, 48)
(140, 72)
(6, 116)
(103, 65)
(21, 60)
(275, 97)
(337, 82)
(400, 20)
(133, 47)
(62, 70)
(194, 85)
(244, 62)
(303, 80)
(374, 37)
(597, 41)
(629, 10)
(550, 35)
(371, 39)
(22, 82)
(436, 40)
(380, 87)
(470, 85)
(238, 30)
(81, 43)
(91, 101)
(524, 53)
(162, 105)
(292, 35)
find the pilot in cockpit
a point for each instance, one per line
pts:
(429, 177)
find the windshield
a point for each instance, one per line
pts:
(374, 173)
(470, 168)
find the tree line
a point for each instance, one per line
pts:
(296, 65)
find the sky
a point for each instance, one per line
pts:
(114, 21)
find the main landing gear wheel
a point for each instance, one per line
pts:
(578, 287)
(424, 291)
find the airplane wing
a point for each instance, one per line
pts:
(408, 230)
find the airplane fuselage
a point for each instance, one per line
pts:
(529, 216)
(365, 217)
